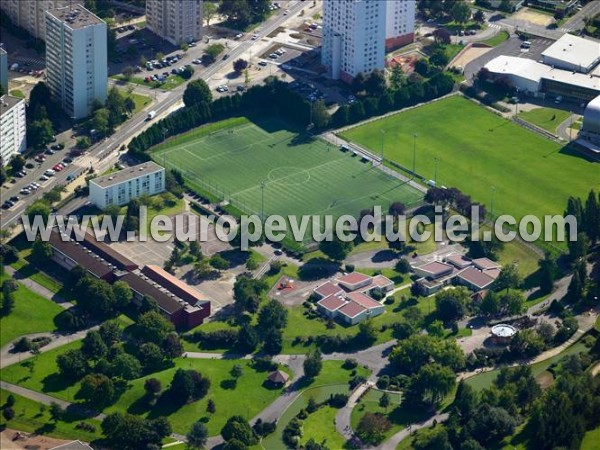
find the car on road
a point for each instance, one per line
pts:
(254, 37)
(40, 158)
(262, 63)
(14, 199)
(25, 191)
(278, 252)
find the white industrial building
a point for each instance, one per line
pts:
(399, 23)
(31, 14)
(357, 33)
(76, 59)
(590, 131)
(531, 77)
(177, 21)
(12, 127)
(121, 187)
(572, 53)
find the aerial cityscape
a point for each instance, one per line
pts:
(300, 224)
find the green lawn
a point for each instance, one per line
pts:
(172, 82)
(477, 150)
(141, 101)
(32, 313)
(300, 175)
(17, 93)
(591, 440)
(33, 417)
(320, 426)
(547, 118)
(485, 379)
(497, 39)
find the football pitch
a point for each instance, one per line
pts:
(241, 160)
(483, 155)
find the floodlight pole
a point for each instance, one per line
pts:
(414, 154)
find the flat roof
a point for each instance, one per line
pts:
(476, 277)
(165, 302)
(79, 254)
(382, 281)
(460, 261)
(503, 330)
(574, 50)
(129, 173)
(75, 16)
(352, 309)
(363, 300)
(536, 72)
(175, 285)
(332, 302)
(485, 263)
(8, 102)
(328, 288)
(435, 268)
(353, 278)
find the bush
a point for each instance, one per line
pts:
(356, 381)
(338, 400)
(350, 363)
(349, 268)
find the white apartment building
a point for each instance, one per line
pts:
(121, 187)
(177, 21)
(12, 127)
(354, 34)
(31, 14)
(399, 23)
(4, 70)
(76, 59)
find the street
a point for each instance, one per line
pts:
(104, 154)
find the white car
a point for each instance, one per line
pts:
(44, 178)
(255, 37)
(239, 35)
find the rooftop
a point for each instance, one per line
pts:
(327, 289)
(382, 281)
(435, 268)
(175, 285)
(278, 376)
(535, 71)
(503, 330)
(75, 16)
(165, 302)
(476, 278)
(74, 251)
(485, 264)
(352, 309)
(575, 51)
(363, 300)
(459, 261)
(7, 102)
(107, 252)
(353, 278)
(127, 174)
(332, 302)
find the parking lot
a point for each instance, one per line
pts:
(538, 46)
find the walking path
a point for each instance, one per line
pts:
(38, 288)
(343, 423)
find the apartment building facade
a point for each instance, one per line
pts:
(4, 70)
(76, 59)
(12, 127)
(31, 14)
(121, 187)
(399, 23)
(177, 21)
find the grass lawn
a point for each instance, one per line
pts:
(591, 439)
(172, 82)
(477, 150)
(32, 313)
(547, 118)
(320, 426)
(597, 325)
(33, 417)
(301, 175)
(497, 39)
(141, 101)
(485, 379)
(17, 93)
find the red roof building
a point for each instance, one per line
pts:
(327, 289)
(474, 279)
(354, 281)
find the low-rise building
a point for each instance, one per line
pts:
(327, 289)
(68, 253)
(590, 130)
(573, 53)
(434, 270)
(13, 139)
(121, 187)
(475, 279)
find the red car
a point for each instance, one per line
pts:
(58, 167)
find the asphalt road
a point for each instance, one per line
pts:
(104, 154)
(576, 22)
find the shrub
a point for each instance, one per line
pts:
(338, 400)
(350, 363)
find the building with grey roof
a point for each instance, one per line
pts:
(76, 59)
(573, 53)
(121, 187)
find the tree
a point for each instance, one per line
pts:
(580, 247)
(336, 249)
(93, 345)
(187, 72)
(209, 10)
(436, 328)
(152, 386)
(247, 292)
(123, 294)
(188, 385)
(196, 93)
(422, 67)
(239, 65)
(367, 333)
(465, 401)
(479, 16)
(591, 222)
(126, 366)
(272, 315)
(151, 356)
(492, 424)
(128, 72)
(40, 133)
(526, 344)
(273, 341)
(17, 163)
(218, 262)
(460, 12)
(451, 304)
(320, 115)
(238, 428)
(153, 327)
(129, 432)
(97, 389)
(236, 371)
(442, 36)
(384, 401)
(110, 331)
(509, 278)
(41, 251)
(197, 436)
(247, 338)
(101, 122)
(402, 266)
(83, 143)
(547, 270)
(72, 364)
(375, 83)
(372, 427)
(397, 209)
(313, 364)
(575, 289)
(171, 346)
(431, 384)
(57, 412)
(513, 302)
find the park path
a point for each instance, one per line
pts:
(393, 442)
(343, 423)
(38, 288)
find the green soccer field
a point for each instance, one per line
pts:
(477, 152)
(301, 175)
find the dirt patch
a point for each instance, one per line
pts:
(469, 55)
(529, 15)
(27, 441)
(545, 379)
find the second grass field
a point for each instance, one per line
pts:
(240, 161)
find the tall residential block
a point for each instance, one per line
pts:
(12, 127)
(353, 37)
(177, 21)
(31, 14)
(4, 70)
(76, 59)
(399, 23)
